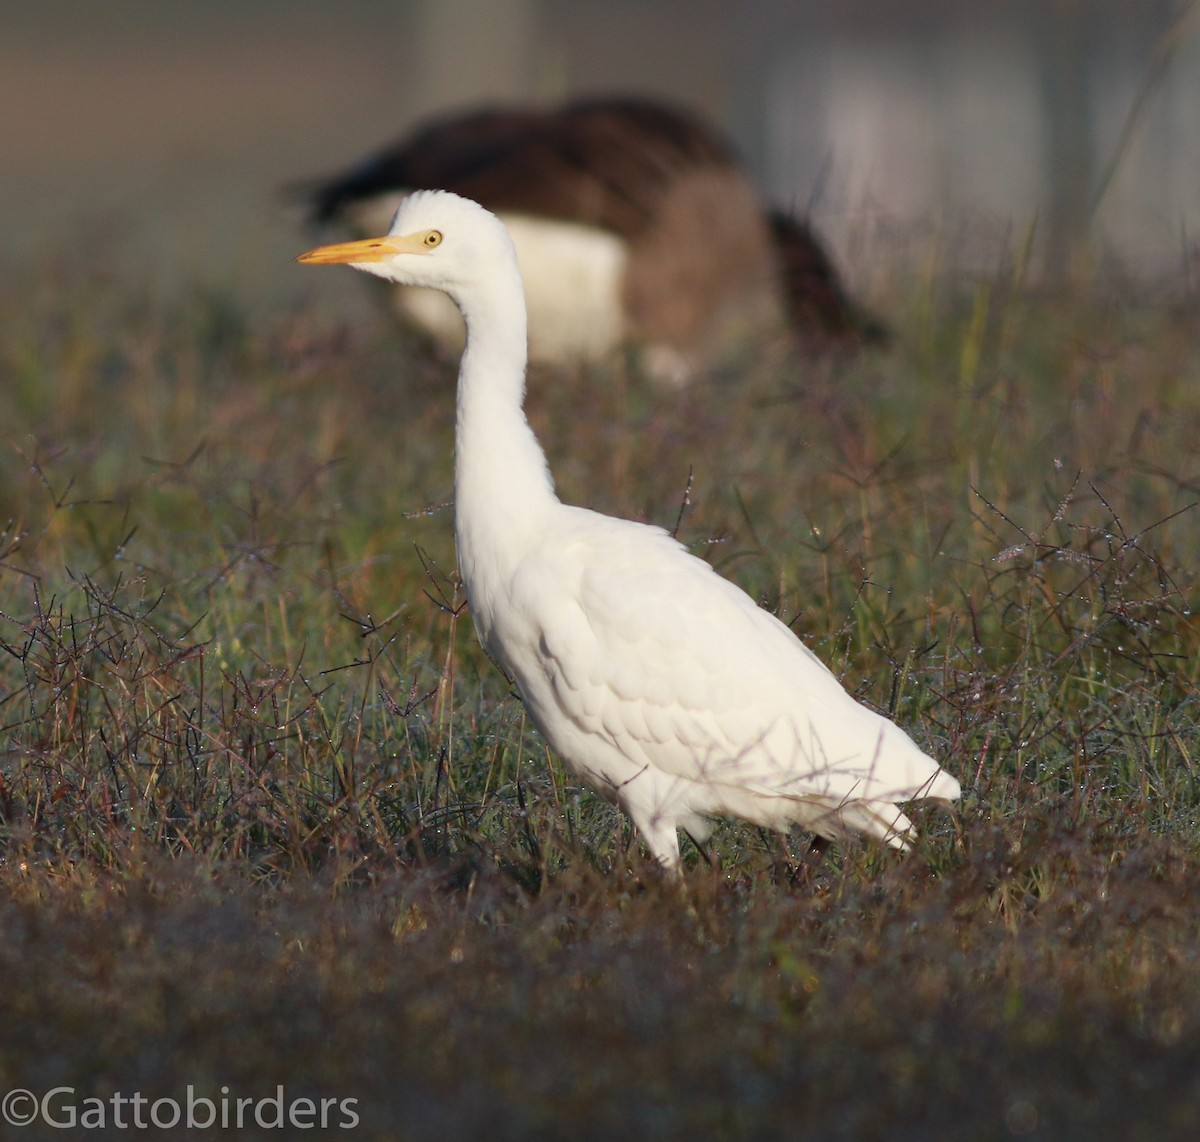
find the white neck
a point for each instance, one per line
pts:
(502, 486)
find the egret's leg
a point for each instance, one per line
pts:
(714, 862)
(659, 835)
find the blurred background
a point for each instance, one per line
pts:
(161, 134)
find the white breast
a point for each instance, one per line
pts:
(574, 282)
(573, 279)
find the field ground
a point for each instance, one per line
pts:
(268, 817)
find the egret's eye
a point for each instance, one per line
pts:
(433, 238)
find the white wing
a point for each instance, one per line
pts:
(640, 664)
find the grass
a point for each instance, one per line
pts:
(269, 816)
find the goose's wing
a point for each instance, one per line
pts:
(603, 162)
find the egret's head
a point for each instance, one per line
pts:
(437, 239)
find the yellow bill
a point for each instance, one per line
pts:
(365, 250)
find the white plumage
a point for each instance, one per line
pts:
(661, 684)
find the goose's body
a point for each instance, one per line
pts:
(573, 278)
(634, 225)
(661, 684)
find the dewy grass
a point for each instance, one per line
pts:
(269, 816)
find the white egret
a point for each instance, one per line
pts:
(661, 684)
(634, 224)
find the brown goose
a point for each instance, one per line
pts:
(633, 222)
